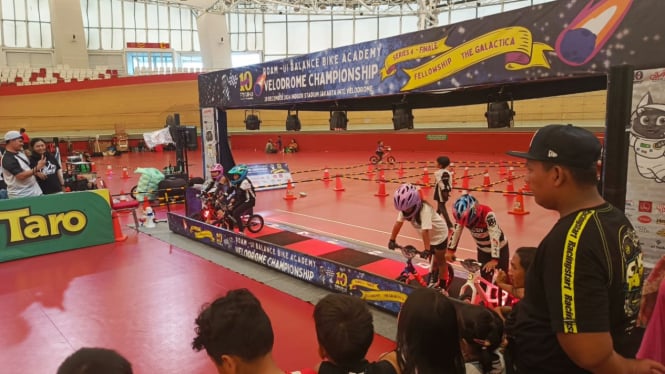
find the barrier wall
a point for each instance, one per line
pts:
(383, 293)
(33, 226)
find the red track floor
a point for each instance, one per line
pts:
(141, 296)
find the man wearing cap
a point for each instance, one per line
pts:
(582, 293)
(16, 170)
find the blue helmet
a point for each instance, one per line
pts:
(464, 210)
(240, 170)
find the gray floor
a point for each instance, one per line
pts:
(385, 324)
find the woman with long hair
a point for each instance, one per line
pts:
(49, 178)
(428, 340)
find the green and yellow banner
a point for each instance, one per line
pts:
(33, 226)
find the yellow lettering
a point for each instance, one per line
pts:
(74, 221)
(35, 226)
(14, 219)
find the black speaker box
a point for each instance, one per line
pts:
(192, 138)
(402, 118)
(252, 122)
(338, 120)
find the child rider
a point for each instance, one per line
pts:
(428, 222)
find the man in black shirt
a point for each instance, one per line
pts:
(583, 289)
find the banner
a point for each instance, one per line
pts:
(269, 176)
(32, 226)
(209, 140)
(557, 40)
(381, 292)
(645, 190)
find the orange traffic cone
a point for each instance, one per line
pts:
(370, 168)
(382, 176)
(382, 189)
(502, 168)
(518, 206)
(486, 180)
(117, 229)
(510, 172)
(400, 172)
(425, 177)
(466, 173)
(125, 173)
(465, 182)
(289, 191)
(526, 187)
(326, 175)
(510, 189)
(452, 179)
(109, 170)
(338, 183)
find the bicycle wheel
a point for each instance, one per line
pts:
(466, 294)
(254, 223)
(391, 160)
(132, 192)
(374, 159)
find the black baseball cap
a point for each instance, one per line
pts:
(564, 145)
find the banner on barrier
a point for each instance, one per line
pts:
(645, 190)
(269, 176)
(381, 292)
(33, 226)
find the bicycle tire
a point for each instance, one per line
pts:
(132, 193)
(374, 159)
(466, 294)
(391, 160)
(254, 223)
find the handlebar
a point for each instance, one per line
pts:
(409, 251)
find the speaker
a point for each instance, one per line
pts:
(402, 118)
(338, 120)
(499, 114)
(176, 119)
(191, 138)
(292, 122)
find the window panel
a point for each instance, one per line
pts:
(320, 36)
(516, 5)
(9, 33)
(139, 15)
(319, 17)
(152, 16)
(93, 13)
(275, 38)
(251, 42)
(296, 43)
(176, 40)
(130, 36)
(241, 23)
(459, 15)
(175, 18)
(35, 35)
(44, 11)
(19, 10)
(488, 10)
(21, 35)
(197, 46)
(389, 26)
(342, 33)
(141, 36)
(186, 17)
(366, 30)
(33, 11)
(186, 40)
(164, 36)
(153, 36)
(409, 24)
(47, 42)
(105, 9)
(274, 18)
(118, 40)
(296, 18)
(7, 9)
(93, 39)
(106, 37)
(117, 13)
(163, 13)
(129, 15)
(274, 57)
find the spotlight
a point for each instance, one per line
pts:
(252, 121)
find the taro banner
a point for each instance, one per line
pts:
(563, 39)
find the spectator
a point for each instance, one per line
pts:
(579, 313)
(3, 185)
(49, 177)
(16, 170)
(513, 282)
(270, 148)
(237, 334)
(292, 147)
(344, 330)
(279, 143)
(95, 361)
(652, 314)
(481, 330)
(26, 138)
(428, 340)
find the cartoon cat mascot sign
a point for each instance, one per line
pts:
(647, 137)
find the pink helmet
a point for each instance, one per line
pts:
(219, 169)
(407, 197)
